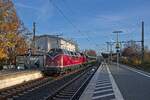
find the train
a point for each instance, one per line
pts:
(61, 60)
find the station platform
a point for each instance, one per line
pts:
(8, 72)
(101, 86)
(11, 78)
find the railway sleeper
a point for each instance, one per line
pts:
(12, 93)
(62, 97)
(69, 94)
(69, 90)
(2, 97)
(55, 98)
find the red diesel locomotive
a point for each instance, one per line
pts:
(60, 60)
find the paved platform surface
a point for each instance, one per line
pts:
(102, 86)
(134, 84)
(7, 72)
(112, 82)
(11, 78)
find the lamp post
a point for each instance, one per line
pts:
(117, 46)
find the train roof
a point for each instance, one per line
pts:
(73, 53)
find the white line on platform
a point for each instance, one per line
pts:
(103, 91)
(134, 70)
(117, 92)
(103, 87)
(103, 84)
(102, 96)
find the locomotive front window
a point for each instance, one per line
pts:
(72, 53)
(54, 52)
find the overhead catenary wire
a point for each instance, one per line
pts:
(61, 12)
(70, 22)
(88, 37)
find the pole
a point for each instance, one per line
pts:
(58, 46)
(142, 42)
(107, 46)
(110, 53)
(117, 51)
(117, 58)
(108, 50)
(117, 46)
(58, 40)
(34, 28)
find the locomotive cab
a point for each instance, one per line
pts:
(53, 61)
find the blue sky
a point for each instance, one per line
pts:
(93, 20)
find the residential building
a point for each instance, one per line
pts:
(47, 42)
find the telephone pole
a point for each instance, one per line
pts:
(142, 42)
(34, 29)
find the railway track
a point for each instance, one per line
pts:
(14, 90)
(39, 89)
(74, 88)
